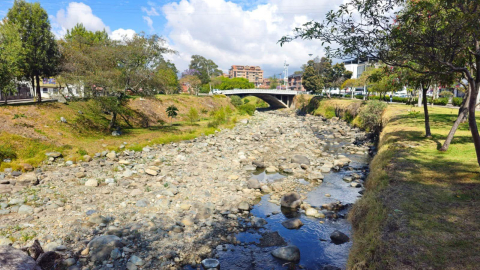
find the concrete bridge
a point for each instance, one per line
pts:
(275, 98)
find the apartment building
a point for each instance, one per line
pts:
(254, 74)
(295, 82)
(358, 66)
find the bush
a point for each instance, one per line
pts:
(246, 100)
(247, 109)
(358, 96)
(7, 151)
(400, 99)
(236, 101)
(193, 115)
(371, 115)
(457, 101)
(440, 101)
(446, 94)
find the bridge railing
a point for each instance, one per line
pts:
(259, 91)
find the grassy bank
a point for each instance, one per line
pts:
(420, 208)
(28, 132)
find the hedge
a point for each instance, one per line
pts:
(457, 101)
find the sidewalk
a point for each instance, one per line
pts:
(26, 101)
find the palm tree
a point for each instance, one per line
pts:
(172, 112)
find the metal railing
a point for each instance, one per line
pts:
(258, 91)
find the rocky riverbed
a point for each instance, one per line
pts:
(173, 206)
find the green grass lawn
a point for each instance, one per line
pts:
(421, 207)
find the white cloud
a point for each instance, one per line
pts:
(76, 13)
(150, 12)
(121, 33)
(229, 35)
(149, 22)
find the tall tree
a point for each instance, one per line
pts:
(206, 67)
(10, 58)
(193, 83)
(311, 80)
(440, 37)
(38, 43)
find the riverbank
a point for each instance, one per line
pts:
(421, 206)
(27, 133)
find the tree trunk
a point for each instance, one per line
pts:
(113, 121)
(427, 117)
(39, 93)
(33, 85)
(420, 97)
(462, 113)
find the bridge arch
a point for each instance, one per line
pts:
(275, 98)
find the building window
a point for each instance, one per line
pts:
(45, 90)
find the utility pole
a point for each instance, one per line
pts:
(285, 70)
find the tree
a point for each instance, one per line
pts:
(311, 81)
(193, 83)
(193, 115)
(10, 58)
(41, 54)
(235, 83)
(166, 80)
(236, 101)
(172, 112)
(273, 82)
(439, 37)
(107, 70)
(206, 67)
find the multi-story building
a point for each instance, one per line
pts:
(254, 74)
(295, 82)
(358, 66)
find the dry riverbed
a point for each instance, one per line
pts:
(173, 206)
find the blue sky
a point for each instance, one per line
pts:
(235, 32)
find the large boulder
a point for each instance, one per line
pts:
(253, 183)
(300, 160)
(293, 223)
(101, 247)
(338, 237)
(291, 200)
(27, 180)
(288, 253)
(14, 259)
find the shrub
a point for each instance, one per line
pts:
(440, 101)
(446, 94)
(213, 124)
(220, 115)
(247, 109)
(359, 96)
(457, 101)
(193, 115)
(371, 115)
(7, 151)
(236, 101)
(246, 100)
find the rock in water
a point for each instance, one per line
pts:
(288, 253)
(253, 184)
(210, 263)
(244, 206)
(300, 160)
(101, 247)
(311, 212)
(14, 259)
(291, 200)
(291, 224)
(339, 238)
